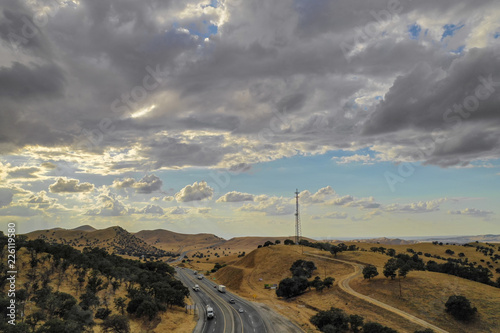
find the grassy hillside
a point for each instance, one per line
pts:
(61, 289)
(469, 252)
(114, 240)
(175, 242)
(424, 293)
(269, 265)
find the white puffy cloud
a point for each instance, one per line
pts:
(178, 211)
(40, 200)
(415, 207)
(203, 210)
(109, 205)
(360, 159)
(235, 196)
(270, 206)
(364, 203)
(148, 184)
(305, 197)
(65, 185)
(340, 201)
(472, 212)
(196, 192)
(150, 209)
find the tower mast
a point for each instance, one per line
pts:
(298, 230)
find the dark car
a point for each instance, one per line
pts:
(232, 301)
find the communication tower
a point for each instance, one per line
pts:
(298, 231)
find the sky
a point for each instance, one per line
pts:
(207, 116)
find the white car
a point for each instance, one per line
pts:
(240, 310)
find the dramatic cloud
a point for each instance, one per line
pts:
(236, 197)
(472, 212)
(148, 184)
(193, 84)
(242, 93)
(196, 192)
(65, 185)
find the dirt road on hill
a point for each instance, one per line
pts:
(358, 268)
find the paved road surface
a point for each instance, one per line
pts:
(358, 268)
(228, 318)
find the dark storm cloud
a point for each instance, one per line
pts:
(274, 73)
(462, 103)
(20, 81)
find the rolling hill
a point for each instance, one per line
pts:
(424, 293)
(114, 239)
(176, 242)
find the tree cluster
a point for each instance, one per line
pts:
(460, 308)
(301, 271)
(151, 287)
(337, 321)
(402, 264)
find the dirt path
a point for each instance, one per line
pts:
(358, 268)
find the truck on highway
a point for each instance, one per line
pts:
(210, 312)
(221, 288)
(196, 287)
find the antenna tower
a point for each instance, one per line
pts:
(298, 231)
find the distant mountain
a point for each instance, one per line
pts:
(465, 239)
(384, 240)
(85, 228)
(176, 242)
(114, 239)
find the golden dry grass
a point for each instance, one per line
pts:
(469, 252)
(424, 292)
(175, 242)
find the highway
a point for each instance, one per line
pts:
(228, 317)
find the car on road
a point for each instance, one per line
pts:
(232, 301)
(240, 310)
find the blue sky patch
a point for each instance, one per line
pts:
(450, 30)
(414, 31)
(459, 50)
